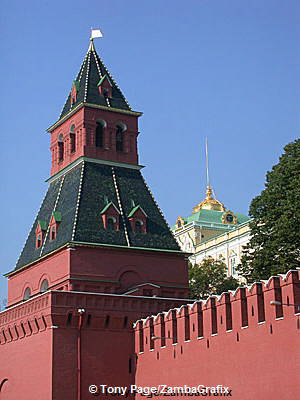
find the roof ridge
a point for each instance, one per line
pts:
(55, 204)
(113, 80)
(42, 202)
(79, 76)
(87, 77)
(93, 51)
(159, 209)
(120, 205)
(78, 201)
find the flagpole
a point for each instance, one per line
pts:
(206, 161)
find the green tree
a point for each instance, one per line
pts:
(209, 278)
(274, 246)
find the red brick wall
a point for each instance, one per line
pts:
(101, 270)
(55, 268)
(85, 126)
(39, 359)
(26, 350)
(260, 360)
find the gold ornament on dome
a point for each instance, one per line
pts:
(209, 203)
(180, 222)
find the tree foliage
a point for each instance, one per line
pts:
(210, 278)
(274, 246)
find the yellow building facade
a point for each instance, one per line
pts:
(213, 231)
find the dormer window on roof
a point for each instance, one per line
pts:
(229, 218)
(54, 224)
(138, 220)
(105, 86)
(110, 217)
(180, 222)
(74, 91)
(40, 233)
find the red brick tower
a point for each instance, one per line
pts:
(98, 257)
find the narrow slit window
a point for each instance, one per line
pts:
(214, 328)
(138, 227)
(53, 233)
(141, 337)
(110, 224)
(73, 139)
(244, 307)
(187, 333)
(60, 148)
(119, 139)
(151, 334)
(260, 303)
(200, 319)
(162, 330)
(39, 240)
(174, 327)
(99, 135)
(228, 309)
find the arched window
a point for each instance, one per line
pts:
(99, 133)
(27, 293)
(44, 285)
(2, 383)
(73, 138)
(110, 224)
(119, 138)
(60, 147)
(138, 227)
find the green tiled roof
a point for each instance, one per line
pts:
(76, 84)
(57, 216)
(102, 79)
(107, 206)
(134, 210)
(209, 217)
(91, 72)
(43, 224)
(213, 216)
(89, 197)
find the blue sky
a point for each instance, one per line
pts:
(225, 69)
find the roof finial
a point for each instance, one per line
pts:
(95, 33)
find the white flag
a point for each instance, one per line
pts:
(96, 33)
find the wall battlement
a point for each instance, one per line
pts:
(230, 312)
(60, 308)
(238, 340)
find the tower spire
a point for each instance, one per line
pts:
(206, 162)
(89, 86)
(210, 202)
